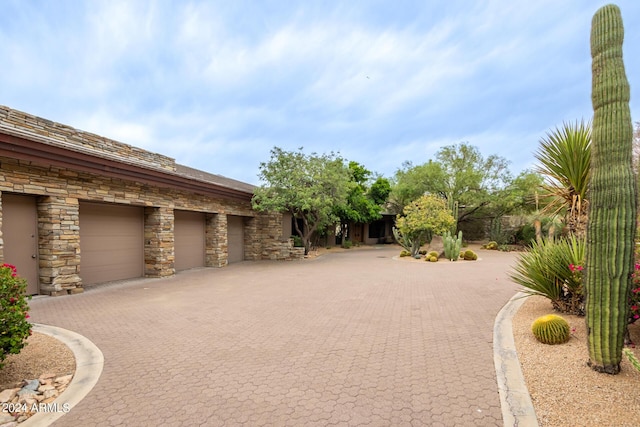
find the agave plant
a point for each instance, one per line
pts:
(553, 269)
(565, 160)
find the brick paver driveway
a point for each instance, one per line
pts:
(355, 338)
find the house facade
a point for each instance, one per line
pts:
(78, 209)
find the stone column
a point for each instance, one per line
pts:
(269, 233)
(216, 240)
(159, 250)
(59, 245)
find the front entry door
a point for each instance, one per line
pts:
(20, 234)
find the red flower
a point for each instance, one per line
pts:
(26, 315)
(12, 300)
(571, 267)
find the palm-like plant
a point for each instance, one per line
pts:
(565, 160)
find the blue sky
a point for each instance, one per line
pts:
(217, 84)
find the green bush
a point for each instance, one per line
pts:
(297, 241)
(404, 254)
(553, 269)
(14, 327)
(347, 244)
(526, 234)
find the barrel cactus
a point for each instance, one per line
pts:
(469, 255)
(612, 196)
(551, 329)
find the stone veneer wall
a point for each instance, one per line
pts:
(59, 244)
(159, 250)
(60, 191)
(80, 140)
(216, 239)
(274, 246)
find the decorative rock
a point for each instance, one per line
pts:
(5, 418)
(31, 385)
(45, 387)
(8, 394)
(27, 392)
(46, 378)
(437, 245)
(46, 391)
(64, 379)
(50, 393)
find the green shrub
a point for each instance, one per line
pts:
(15, 329)
(297, 241)
(434, 254)
(526, 234)
(553, 269)
(404, 254)
(551, 329)
(347, 244)
(423, 252)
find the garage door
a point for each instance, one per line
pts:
(20, 234)
(235, 237)
(111, 242)
(189, 232)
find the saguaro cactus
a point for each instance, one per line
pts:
(612, 195)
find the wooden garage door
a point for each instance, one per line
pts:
(20, 234)
(111, 242)
(189, 232)
(235, 237)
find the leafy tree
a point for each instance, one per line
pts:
(565, 161)
(461, 174)
(363, 204)
(380, 190)
(424, 217)
(471, 180)
(307, 186)
(411, 182)
(522, 195)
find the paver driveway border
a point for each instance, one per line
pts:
(510, 385)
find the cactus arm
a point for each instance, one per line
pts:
(612, 215)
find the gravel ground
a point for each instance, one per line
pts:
(41, 355)
(564, 390)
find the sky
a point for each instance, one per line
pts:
(217, 84)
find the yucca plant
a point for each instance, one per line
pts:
(565, 160)
(553, 269)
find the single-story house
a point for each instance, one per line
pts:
(78, 209)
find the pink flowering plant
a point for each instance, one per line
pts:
(14, 326)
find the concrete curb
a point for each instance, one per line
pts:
(515, 401)
(89, 363)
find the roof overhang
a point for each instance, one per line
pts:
(18, 147)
